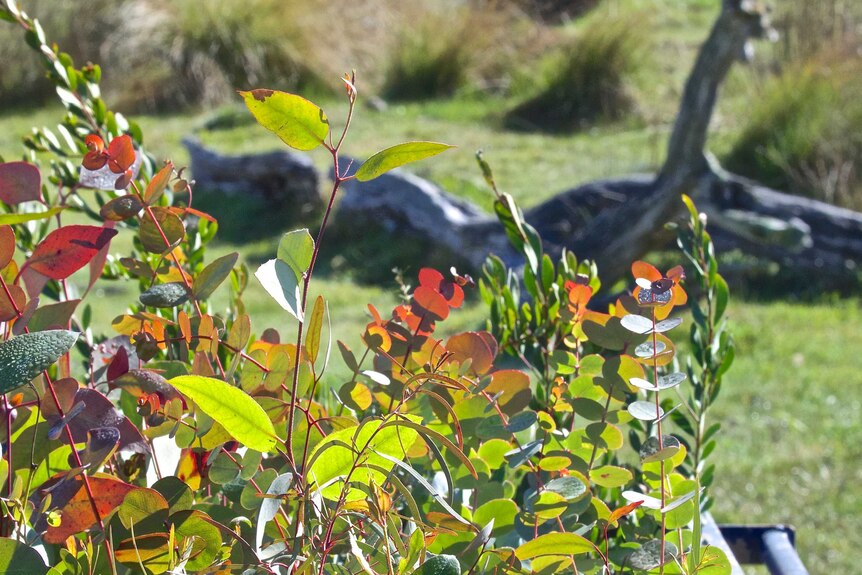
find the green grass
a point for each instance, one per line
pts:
(791, 443)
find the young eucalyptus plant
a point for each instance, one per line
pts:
(434, 457)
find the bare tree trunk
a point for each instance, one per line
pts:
(727, 42)
(614, 222)
(617, 237)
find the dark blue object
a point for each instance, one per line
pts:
(770, 545)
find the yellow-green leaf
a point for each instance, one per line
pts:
(299, 123)
(334, 457)
(234, 409)
(554, 544)
(10, 219)
(398, 155)
(315, 324)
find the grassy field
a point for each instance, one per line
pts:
(792, 404)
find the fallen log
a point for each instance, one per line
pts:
(616, 221)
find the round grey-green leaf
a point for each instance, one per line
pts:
(650, 452)
(165, 295)
(644, 410)
(24, 357)
(649, 555)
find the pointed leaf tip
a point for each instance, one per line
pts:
(398, 155)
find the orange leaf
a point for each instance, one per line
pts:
(76, 514)
(122, 154)
(431, 301)
(451, 292)
(158, 184)
(623, 511)
(473, 345)
(94, 143)
(644, 270)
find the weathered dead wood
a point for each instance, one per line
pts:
(615, 237)
(617, 221)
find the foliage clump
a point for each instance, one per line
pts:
(433, 457)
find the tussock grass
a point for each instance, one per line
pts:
(804, 131)
(588, 81)
(809, 28)
(442, 48)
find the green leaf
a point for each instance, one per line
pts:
(648, 556)
(205, 538)
(571, 487)
(176, 492)
(644, 410)
(249, 497)
(440, 565)
(554, 544)
(10, 219)
(315, 324)
(24, 357)
(296, 249)
(170, 224)
(502, 511)
(54, 314)
(722, 294)
(16, 558)
(610, 476)
(213, 275)
(280, 282)
(299, 123)
(140, 504)
(398, 155)
(235, 410)
(421, 480)
(713, 561)
(334, 457)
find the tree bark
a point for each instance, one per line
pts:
(614, 238)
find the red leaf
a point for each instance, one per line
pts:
(97, 264)
(66, 250)
(7, 245)
(34, 282)
(20, 182)
(95, 143)
(451, 292)
(119, 365)
(94, 160)
(76, 512)
(430, 301)
(122, 154)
